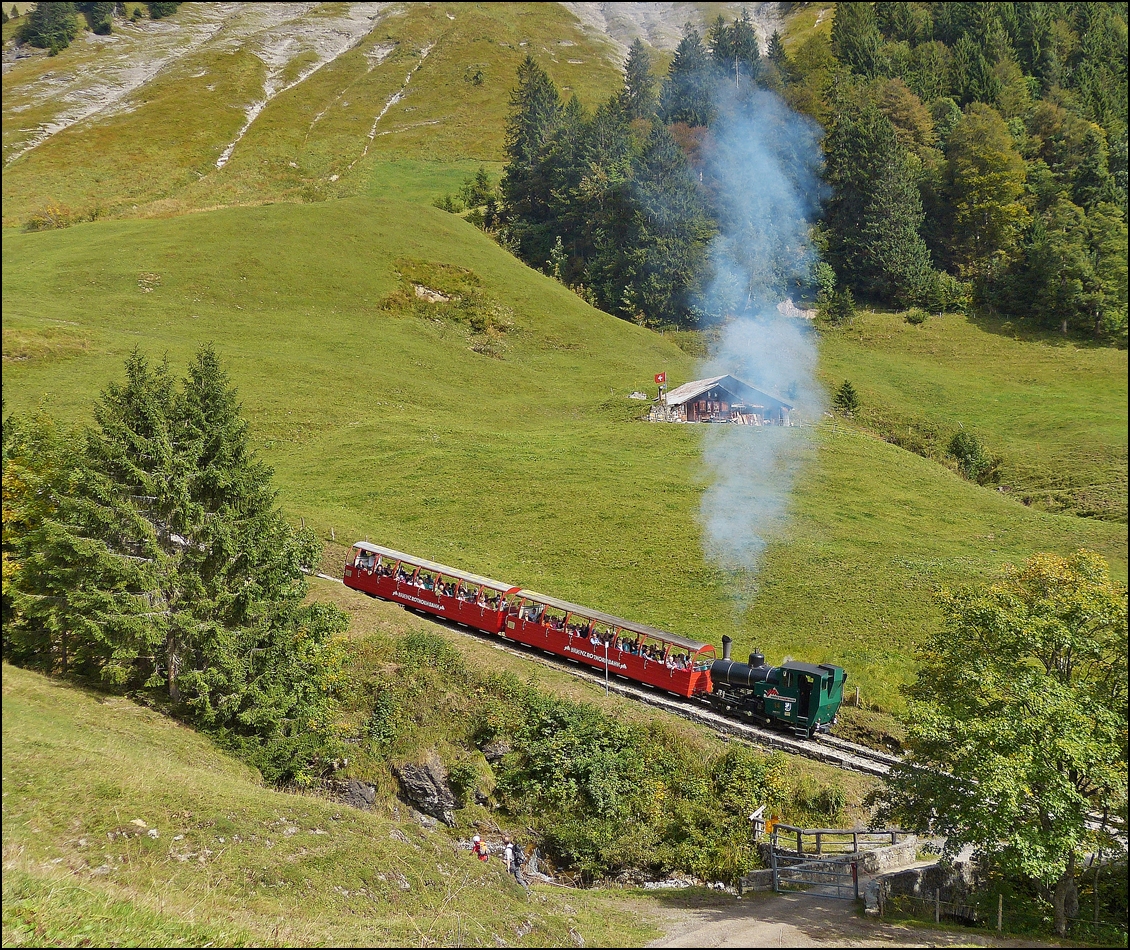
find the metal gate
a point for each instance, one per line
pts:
(821, 877)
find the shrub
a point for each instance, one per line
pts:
(50, 26)
(915, 316)
(159, 10)
(839, 309)
(973, 461)
(846, 399)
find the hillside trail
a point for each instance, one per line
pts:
(807, 920)
(811, 919)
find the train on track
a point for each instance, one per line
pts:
(800, 697)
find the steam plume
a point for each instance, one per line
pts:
(763, 163)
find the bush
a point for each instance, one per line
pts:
(839, 309)
(973, 461)
(158, 11)
(846, 399)
(50, 26)
(915, 316)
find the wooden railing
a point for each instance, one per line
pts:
(832, 840)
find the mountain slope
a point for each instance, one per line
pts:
(122, 827)
(509, 449)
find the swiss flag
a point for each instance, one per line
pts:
(661, 378)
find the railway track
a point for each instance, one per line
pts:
(828, 749)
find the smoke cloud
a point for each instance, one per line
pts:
(763, 165)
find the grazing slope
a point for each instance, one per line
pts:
(494, 431)
(219, 859)
(292, 104)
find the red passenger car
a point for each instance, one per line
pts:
(425, 585)
(630, 650)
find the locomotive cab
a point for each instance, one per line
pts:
(800, 696)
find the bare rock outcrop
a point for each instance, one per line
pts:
(424, 785)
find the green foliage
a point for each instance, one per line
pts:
(1016, 724)
(601, 795)
(150, 553)
(915, 316)
(686, 94)
(50, 26)
(99, 16)
(158, 11)
(846, 399)
(838, 308)
(875, 213)
(973, 461)
(617, 194)
(638, 96)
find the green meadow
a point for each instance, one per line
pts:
(191, 850)
(493, 431)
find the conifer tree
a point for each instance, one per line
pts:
(672, 232)
(638, 96)
(875, 214)
(686, 95)
(1093, 183)
(160, 560)
(50, 26)
(535, 106)
(777, 55)
(856, 39)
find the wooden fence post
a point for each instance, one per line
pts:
(818, 851)
(937, 905)
(1000, 911)
(799, 843)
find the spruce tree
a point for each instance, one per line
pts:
(672, 231)
(777, 55)
(160, 559)
(875, 214)
(535, 106)
(687, 91)
(50, 26)
(1093, 183)
(856, 39)
(638, 96)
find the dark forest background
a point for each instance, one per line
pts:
(974, 157)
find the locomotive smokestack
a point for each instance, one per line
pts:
(727, 643)
(757, 658)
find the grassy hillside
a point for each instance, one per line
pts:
(155, 151)
(123, 828)
(1054, 410)
(493, 431)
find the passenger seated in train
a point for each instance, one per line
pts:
(366, 560)
(403, 576)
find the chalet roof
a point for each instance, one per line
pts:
(435, 567)
(608, 620)
(695, 388)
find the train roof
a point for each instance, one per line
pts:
(693, 645)
(436, 567)
(808, 668)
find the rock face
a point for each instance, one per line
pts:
(425, 786)
(493, 751)
(356, 793)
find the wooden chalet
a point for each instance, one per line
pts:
(721, 399)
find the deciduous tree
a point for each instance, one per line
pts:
(1016, 724)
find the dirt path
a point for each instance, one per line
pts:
(803, 920)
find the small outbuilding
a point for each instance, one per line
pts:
(720, 399)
